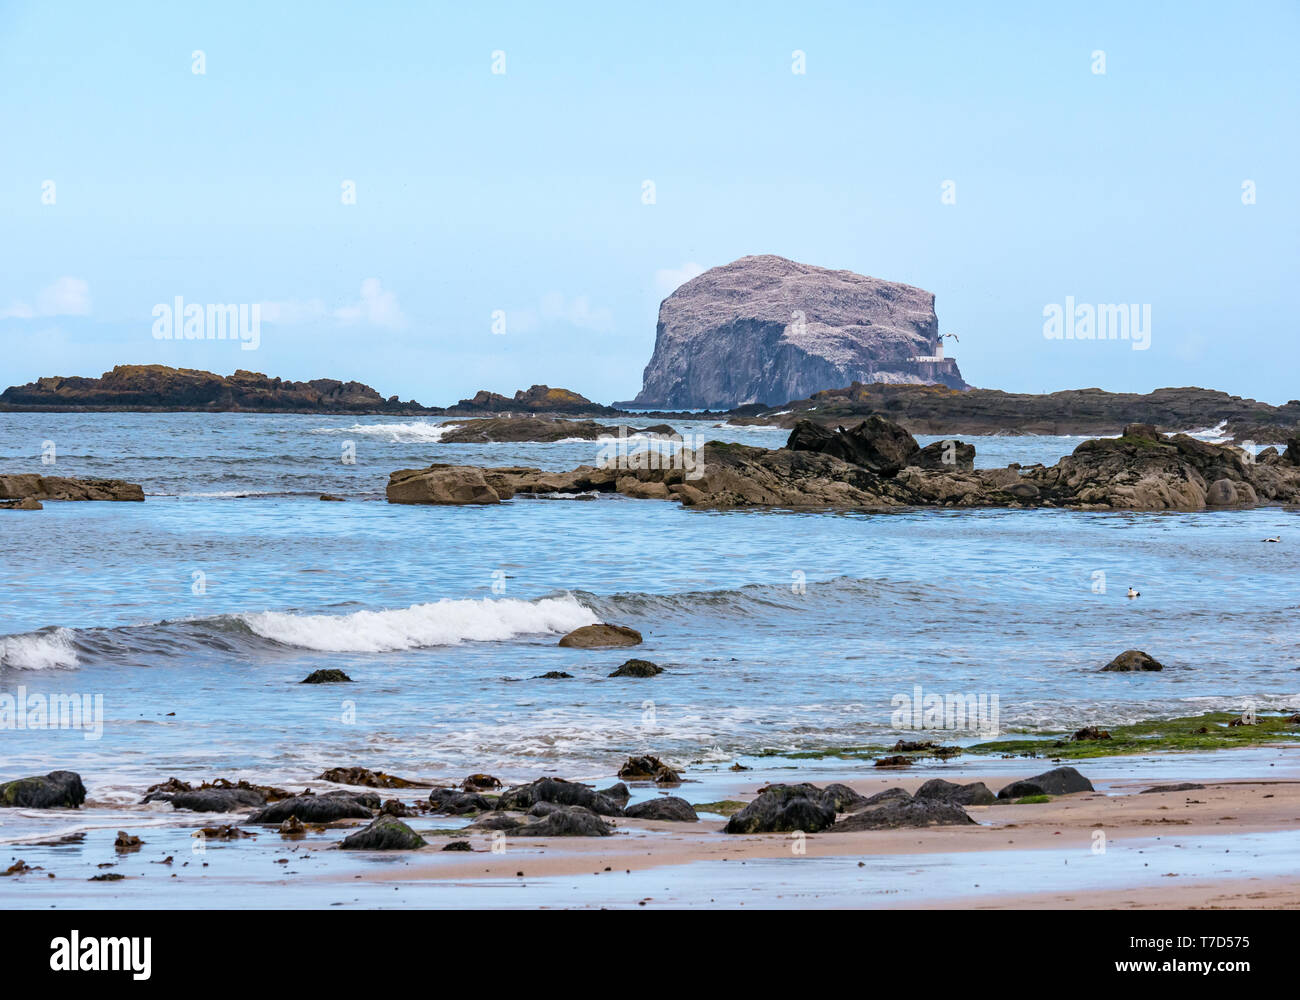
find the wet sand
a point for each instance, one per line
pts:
(1232, 844)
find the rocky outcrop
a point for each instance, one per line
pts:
(766, 329)
(326, 675)
(536, 399)
(442, 485)
(1141, 470)
(30, 486)
(937, 409)
(56, 790)
(161, 387)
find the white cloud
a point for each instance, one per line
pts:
(63, 297)
(376, 307)
(578, 311)
(669, 279)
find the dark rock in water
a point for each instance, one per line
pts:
(616, 793)
(560, 792)
(127, 842)
(638, 668)
(914, 746)
(26, 503)
(1091, 733)
(326, 677)
(1133, 659)
(896, 760)
(1058, 781)
(894, 814)
(767, 329)
(648, 768)
(319, 808)
(974, 794)
(332, 497)
(226, 832)
(366, 778)
(601, 636)
(1184, 786)
(941, 455)
(480, 782)
(441, 484)
(456, 802)
(217, 799)
(220, 795)
(394, 807)
(458, 845)
(293, 827)
(784, 809)
(535, 399)
(387, 833)
(876, 444)
(664, 807)
(567, 821)
(554, 675)
(56, 790)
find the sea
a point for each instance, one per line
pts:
(182, 626)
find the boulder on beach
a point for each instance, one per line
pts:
(1132, 660)
(638, 668)
(601, 636)
(56, 790)
(457, 802)
(567, 821)
(664, 807)
(896, 813)
(784, 809)
(387, 833)
(974, 794)
(1058, 781)
(556, 790)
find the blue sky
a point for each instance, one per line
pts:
(522, 192)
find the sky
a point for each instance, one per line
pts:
(503, 233)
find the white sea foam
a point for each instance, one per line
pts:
(38, 650)
(409, 431)
(1214, 435)
(442, 623)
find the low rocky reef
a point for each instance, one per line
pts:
(878, 465)
(26, 490)
(488, 430)
(937, 409)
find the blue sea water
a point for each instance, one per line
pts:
(194, 614)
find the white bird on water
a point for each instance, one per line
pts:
(1133, 593)
(1275, 538)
